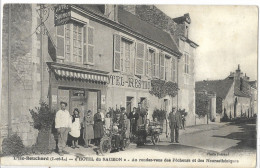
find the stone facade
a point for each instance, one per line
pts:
(33, 80)
(179, 33)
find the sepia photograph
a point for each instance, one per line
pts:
(150, 85)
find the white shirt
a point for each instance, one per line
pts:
(102, 116)
(63, 119)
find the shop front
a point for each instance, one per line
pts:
(80, 87)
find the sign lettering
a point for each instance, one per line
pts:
(62, 14)
(130, 82)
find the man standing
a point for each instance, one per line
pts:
(175, 123)
(63, 122)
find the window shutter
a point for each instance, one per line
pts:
(173, 69)
(117, 52)
(157, 65)
(162, 65)
(153, 65)
(60, 41)
(85, 45)
(140, 54)
(90, 58)
(147, 62)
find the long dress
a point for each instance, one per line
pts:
(98, 126)
(88, 128)
(75, 128)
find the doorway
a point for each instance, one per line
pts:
(129, 104)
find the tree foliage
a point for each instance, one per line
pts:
(43, 117)
(160, 88)
(159, 114)
(202, 104)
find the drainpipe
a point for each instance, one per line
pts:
(42, 54)
(9, 64)
(178, 83)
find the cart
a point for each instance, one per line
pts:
(148, 131)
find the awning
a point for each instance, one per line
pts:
(81, 73)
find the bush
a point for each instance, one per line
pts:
(159, 114)
(43, 117)
(202, 104)
(13, 145)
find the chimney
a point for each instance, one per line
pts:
(111, 12)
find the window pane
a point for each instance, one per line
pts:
(60, 30)
(60, 46)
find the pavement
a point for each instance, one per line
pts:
(195, 129)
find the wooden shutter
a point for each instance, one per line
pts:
(157, 65)
(90, 58)
(147, 62)
(60, 32)
(162, 65)
(117, 52)
(173, 69)
(85, 44)
(153, 64)
(140, 54)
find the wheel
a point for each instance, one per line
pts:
(155, 139)
(105, 145)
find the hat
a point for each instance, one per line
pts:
(63, 103)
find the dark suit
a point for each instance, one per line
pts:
(175, 121)
(133, 118)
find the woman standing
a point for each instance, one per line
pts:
(75, 128)
(98, 127)
(88, 133)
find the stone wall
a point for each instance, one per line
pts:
(24, 71)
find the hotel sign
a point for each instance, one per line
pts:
(62, 14)
(128, 82)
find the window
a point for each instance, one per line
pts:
(162, 66)
(155, 63)
(75, 43)
(126, 56)
(148, 62)
(186, 63)
(123, 54)
(167, 68)
(174, 69)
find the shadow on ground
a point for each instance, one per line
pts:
(176, 148)
(246, 136)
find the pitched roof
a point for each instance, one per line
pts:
(220, 87)
(242, 88)
(146, 29)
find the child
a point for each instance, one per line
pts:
(108, 121)
(75, 128)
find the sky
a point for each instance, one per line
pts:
(226, 35)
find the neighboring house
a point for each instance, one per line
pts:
(235, 95)
(104, 56)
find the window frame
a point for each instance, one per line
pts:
(155, 52)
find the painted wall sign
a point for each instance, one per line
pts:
(62, 14)
(129, 82)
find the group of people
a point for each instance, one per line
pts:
(71, 125)
(93, 127)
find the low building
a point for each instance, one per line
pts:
(235, 95)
